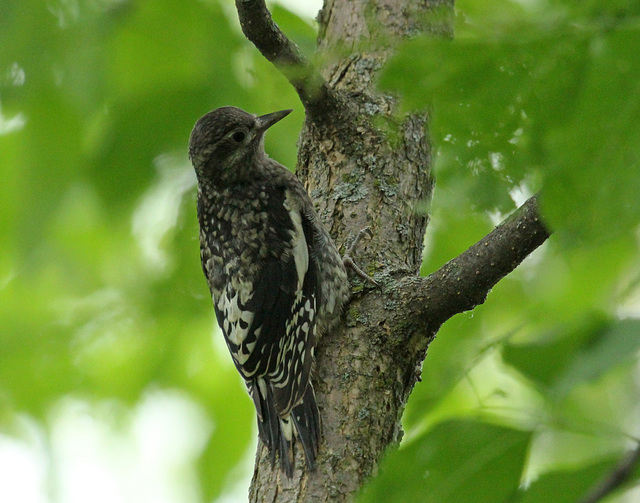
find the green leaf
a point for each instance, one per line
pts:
(592, 183)
(461, 461)
(531, 94)
(545, 360)
(612, 346)
(562, 361)
(566, 486)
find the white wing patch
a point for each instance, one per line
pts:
(300, 250)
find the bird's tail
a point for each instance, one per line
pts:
(279, 433)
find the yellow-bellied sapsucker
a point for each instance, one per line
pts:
(276, 278)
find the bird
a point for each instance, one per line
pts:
(276, 278)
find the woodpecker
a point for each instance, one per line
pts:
(276, 279)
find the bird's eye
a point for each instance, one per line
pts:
(238, 136)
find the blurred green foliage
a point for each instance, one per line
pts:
(484, 465)
(530, 96)
(532, 397)
(101, 291)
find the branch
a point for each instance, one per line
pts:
(616, 478)
(259, 27)
(464, 282)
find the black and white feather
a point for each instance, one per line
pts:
(276, 279)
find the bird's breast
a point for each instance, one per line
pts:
(235, 234)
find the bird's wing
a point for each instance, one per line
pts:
(269, 322)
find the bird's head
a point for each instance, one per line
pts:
(226, 143)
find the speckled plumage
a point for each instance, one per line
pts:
(276, 279)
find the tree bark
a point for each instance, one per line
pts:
(365, 167)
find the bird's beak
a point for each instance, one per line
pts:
(264, 122)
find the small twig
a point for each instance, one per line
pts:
(348, 261)
(464, 282)
(616, 478)
(259, 27)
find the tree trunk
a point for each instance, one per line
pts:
(361, 175)
(364, 167)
